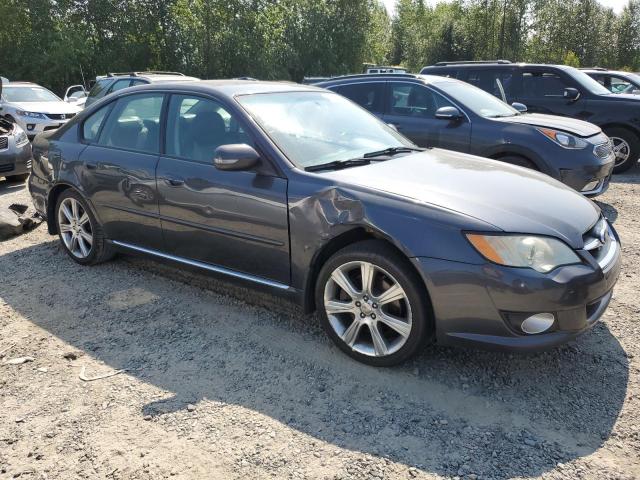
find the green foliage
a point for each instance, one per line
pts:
(54, 42)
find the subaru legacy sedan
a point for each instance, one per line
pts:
(442, 112)
(298, 190)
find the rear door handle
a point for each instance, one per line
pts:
(174, 182)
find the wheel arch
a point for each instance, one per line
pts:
(524, 155)
(624, 126)
(350, 237)
(52, 200)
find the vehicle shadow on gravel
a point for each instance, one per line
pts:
(449, 412)
(7, 187)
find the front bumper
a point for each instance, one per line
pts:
(473, 303)
(34, 126)
(592, 177)
(15, 160)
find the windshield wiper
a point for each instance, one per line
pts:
(392, 151)
(338, 164)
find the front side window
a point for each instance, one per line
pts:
(134, 123)
(91, 126)
(367, 95)
(28, 94)
(543, 84)
(499, 82)
(414, 100)
(196, 126)
(313, 128)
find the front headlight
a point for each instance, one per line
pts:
(542, 254)
(563, 139)
(21, 137)
(22, 113)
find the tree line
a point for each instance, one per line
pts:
(60, 42)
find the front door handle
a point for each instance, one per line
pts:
(174, 182)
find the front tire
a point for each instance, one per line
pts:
(626, 146)
(80, 233)
(372, 304)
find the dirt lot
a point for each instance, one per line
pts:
(223, 382)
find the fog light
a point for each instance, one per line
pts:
(590, 186)
(538, 323)
(31, 126)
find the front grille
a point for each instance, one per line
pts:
(600, 242)
(6, 168)
(603, 150)
(60, 116)
(4, 143)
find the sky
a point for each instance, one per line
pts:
(615, 4)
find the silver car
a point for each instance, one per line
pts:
(34, 108)
(15, 152)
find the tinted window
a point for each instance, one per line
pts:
(619, 84)
(543, 84)
(119, 85)
(367, 95)
(91, 127)
(99, 87)
(134, 123)
(498, 83)
(197, 126)
(414, 100)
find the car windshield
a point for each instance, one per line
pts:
(587, 82)
(28, 94)
(314, 128)
(476, 99)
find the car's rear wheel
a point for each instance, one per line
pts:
(79, 231)
(626, 146)
(372, 304)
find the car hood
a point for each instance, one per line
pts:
(46, 107)
(566, 124)
(510, 198)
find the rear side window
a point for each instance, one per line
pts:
(499, 83)
(543, 84)
(414, 100)
(119, 85)
(367, 95)
(91, 126)
(134, 123)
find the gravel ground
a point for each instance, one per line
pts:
(223, 382)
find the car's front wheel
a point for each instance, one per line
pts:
(372, 304)
(626, 146)
(79, 231)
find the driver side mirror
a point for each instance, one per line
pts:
(521, 107)
(448, 113)
(571, 94)
(235, 157)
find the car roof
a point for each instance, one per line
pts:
(480, 65)
(228, 88)
(363, 78)
(604, 71)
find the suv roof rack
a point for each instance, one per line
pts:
(599, 69)
(139, 74)
(369, 75)
(473, 62)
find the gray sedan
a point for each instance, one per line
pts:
(298, 190)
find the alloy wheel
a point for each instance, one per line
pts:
(368, 309)
(75, 227)
(621, 149)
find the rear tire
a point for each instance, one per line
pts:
(626, 145)
(381, 321)
(18, 178)
(80, 233)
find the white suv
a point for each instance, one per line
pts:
(34, 108)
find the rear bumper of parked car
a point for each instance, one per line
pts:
(15, 160)
(482, 305)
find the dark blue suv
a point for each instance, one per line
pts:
(447, 113)
(557, 90)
